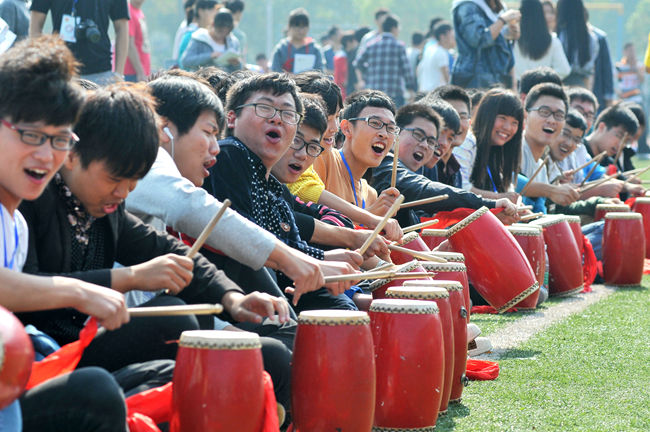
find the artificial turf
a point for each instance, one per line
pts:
(590, 372)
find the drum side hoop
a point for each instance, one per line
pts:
(422, 429)
(572, 219)
(623, 215)
(408, 237)
(643, 200)
(567, 293)
(454, 257)
(547, 222)
(436, 267)
(360, 321)
(613, 207)
(465, 222)
(624, 285)
(414, 295)
(422, 308)
(532, 231)
(233, 346)
(402, 268)
(528, 291)
(436, 232)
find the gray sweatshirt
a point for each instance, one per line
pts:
(165, 198)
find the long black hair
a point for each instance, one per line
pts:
(503, 161)
(571, 20)
(535, 39)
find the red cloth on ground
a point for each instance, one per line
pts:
(488, 310)
(63, 360)
(482, 370)
(612, 169)
(589, 265)
(630, 201)
(646, 266)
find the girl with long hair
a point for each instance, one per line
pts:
(498, 126)
(537, 46)
(580, 44)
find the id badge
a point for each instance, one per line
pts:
(68, 24)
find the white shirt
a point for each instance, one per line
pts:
(430, 76)
(529, 165)
(465, 154)
(14, 239)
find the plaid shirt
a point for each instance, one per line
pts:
(385, 66)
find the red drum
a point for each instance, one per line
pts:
(602, 209)
(413, 291)
(433, 237)
(496, 265)
(531, 240)
(623, 249)
(642, 205)
(564, 260)
(576, 228)
(16, 357)
(450, 256)
(379, 286)
(451, 271)
(409, 353)
(333, 376)
(411, 241)
(218, 382)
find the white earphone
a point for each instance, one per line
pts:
(171, 137)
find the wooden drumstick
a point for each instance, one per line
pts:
(416, 254)
(531, 217)
(424, 201)
(591, 171)
(198, 244)
(635, 176)
(392, 210)
(524, 208)
(620, 148)
(596, 159)
(537, 171)
(393, 176)
(596, 183)
(196, 309)
(374, 275)
(420, 226)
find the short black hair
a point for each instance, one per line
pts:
(618, 116)
(417, 38)
(317, 82)
(637, 110)
(476, 95)
(357, 101)
(37, 82)
(347, 38)
(576, 120)
(205, 4)
(235, 5)
(314, 112)
(444, 109)
(441, 28)
(389, 23)
(118, 126)
(274, 83)
(450, 92)
(583, 95)
(409, 112)
(545, 89)
(299, 18)
(182, 100)
(381, 12)
(333, 30)
(361, 32)
(432, 24)
(539, 75)
(223, 19)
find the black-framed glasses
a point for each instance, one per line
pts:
(420, 136)
(35, 138)
(376, 123)
(567, 134)
(268, 112)
(312, 149)
(589, 116)
(546, 112)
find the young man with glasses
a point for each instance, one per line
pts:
(419, 125)
(546, 107)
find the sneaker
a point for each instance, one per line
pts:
(472, 332)
(478, 346)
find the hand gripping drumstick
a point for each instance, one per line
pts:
(417, 254)
(537, 171)
(198, 244)
(595, 183)
(531, 217)
(392, 210)
(196, 309)
(373, 275)
(424, 201)
(419, 226)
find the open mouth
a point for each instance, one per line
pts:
(295, 167)
(564, 148)
(36, 174)
(504, 136)
(379, 148)
(110, 208)
(210, 163)
(418, 156)
(274, 135)
(329, 141)
(438, 153)
(548, 130)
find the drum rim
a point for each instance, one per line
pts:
(333, 317)
(642, 200)
(408, 237)
(465, 222)
(624, 215)
(404, 306)
(527, 231)
(548, 221)
(573, 219)
(420, 292)
(448, 284)
(528, 291)
(613, 207)
(224, 340)
(436, 232)
(455, 257)
(402, 268)
(443, 267)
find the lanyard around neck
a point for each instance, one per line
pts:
(8, 264)
(494, 187)
(354, 191)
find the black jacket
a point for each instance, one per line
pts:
(416, 187)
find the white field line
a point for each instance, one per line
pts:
(518, 332)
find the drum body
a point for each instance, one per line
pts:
(564, 259)
(218, 382)
(623, 249)
(576, 229)
(453, 271)
(642, 206)
(408, 350)
(603, 209)
(16, 357)
(420, 290)
(496, 264)
(531, 240)
(411, 241)
(379, 287)
(433, 237)
(333, 376)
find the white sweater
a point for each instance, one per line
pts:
(554, 58)
(165, 198)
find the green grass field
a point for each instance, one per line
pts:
(590, 372)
